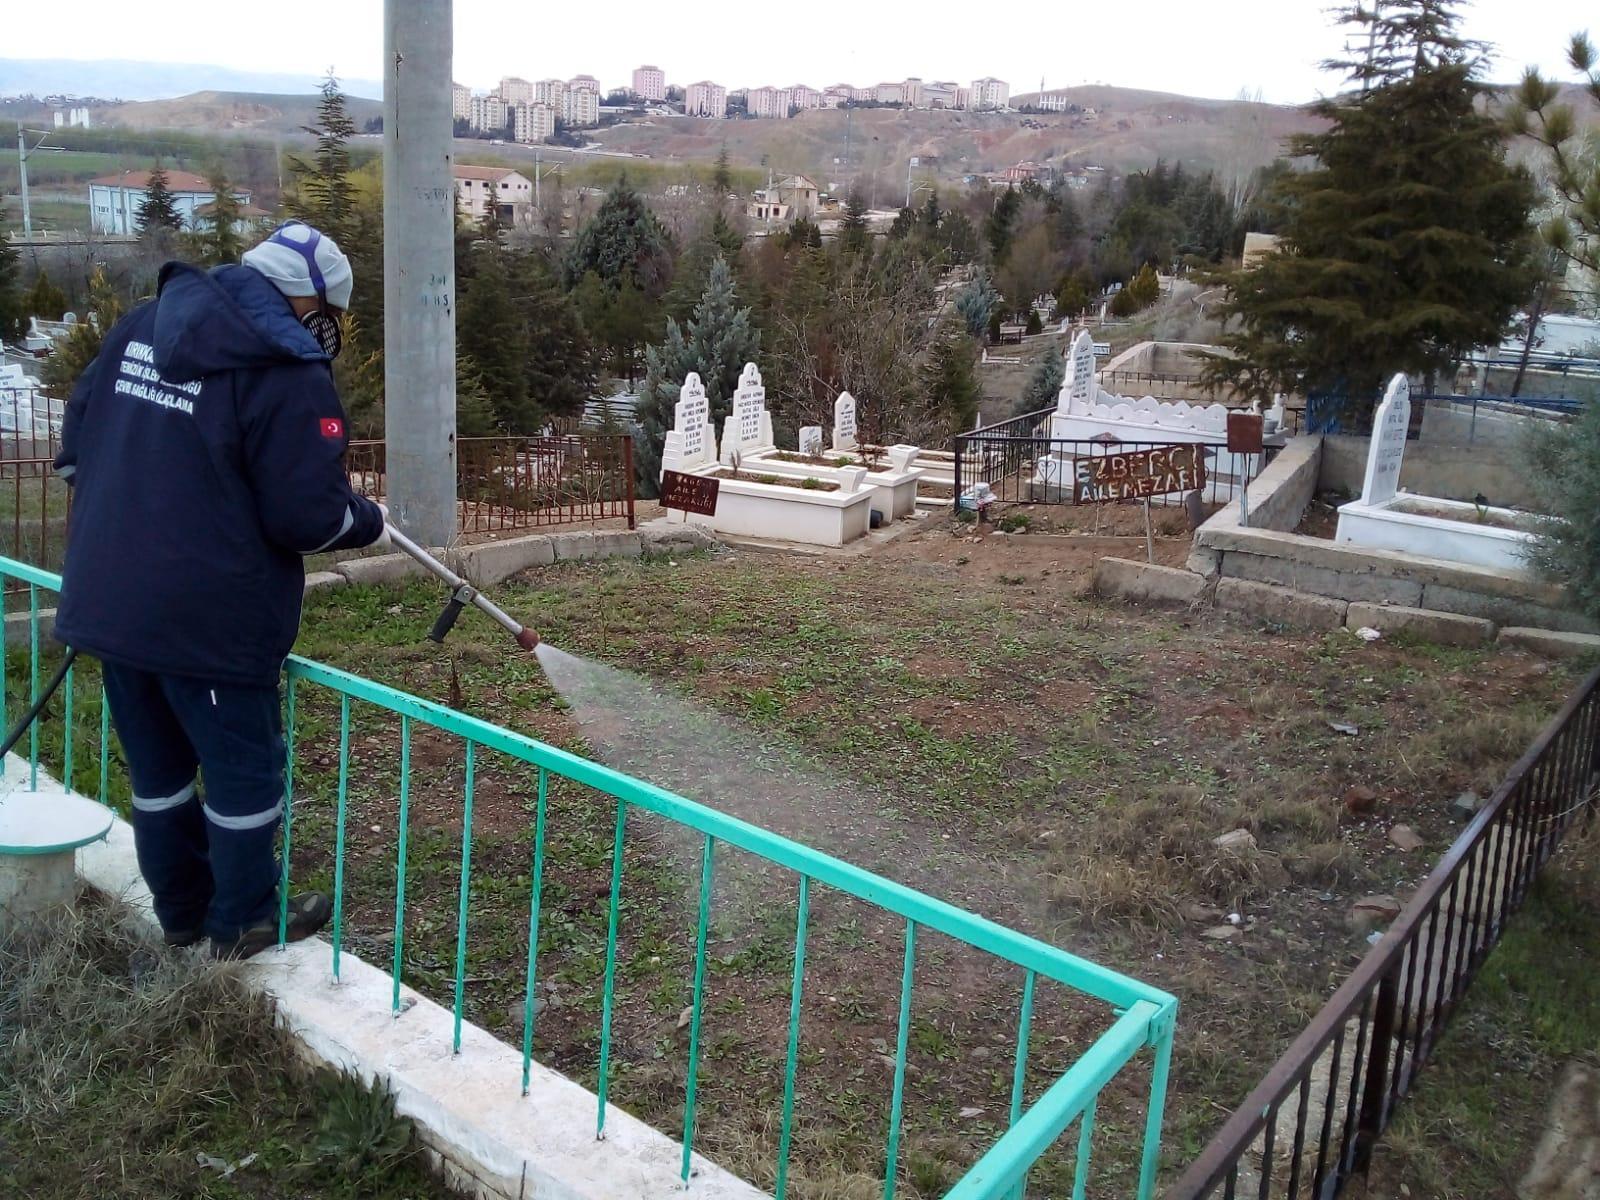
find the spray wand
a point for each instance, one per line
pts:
(462, 594)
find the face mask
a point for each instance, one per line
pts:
(327, 329)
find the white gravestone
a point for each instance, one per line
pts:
(748, 429)
(844, 422)
(811, 439)
(1077, 389)
(1389, 427)
(692, 441)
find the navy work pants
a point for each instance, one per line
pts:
(208, 859)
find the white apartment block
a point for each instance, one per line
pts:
(911, 93)
(486, 189)
(488, 114)
(552, 92)
(515, 91)
(705, 99)
(941, 94)
(839, 93)
(580, 107)
(989, 92)
(889, 93)
(804, 97)
(460, 102)
(584, 81)
(533, 122)
(769, 101)
(650, 83)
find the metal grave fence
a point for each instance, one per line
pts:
(1136, 1018)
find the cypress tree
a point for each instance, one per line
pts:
(1406, 245)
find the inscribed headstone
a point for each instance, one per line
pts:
(811, 439)
(1077, 388)
(844, 422)
(1388, 450)
(691, 442)
(749, 427)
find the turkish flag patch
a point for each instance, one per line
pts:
(332, 427)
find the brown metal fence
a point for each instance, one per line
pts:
(510, 483)
(33, 502)
(1312, 1122)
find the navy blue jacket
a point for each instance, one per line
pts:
(205, 447)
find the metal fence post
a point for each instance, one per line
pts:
(955, 446)
(1374, 1097)
(627, 471)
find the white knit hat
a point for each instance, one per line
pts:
(303, 262)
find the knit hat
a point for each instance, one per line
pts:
(303, 262)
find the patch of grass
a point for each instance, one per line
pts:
(112, 1086)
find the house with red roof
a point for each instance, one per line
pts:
(115, 200)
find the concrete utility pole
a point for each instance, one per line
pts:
(419, 288)
(22, 169)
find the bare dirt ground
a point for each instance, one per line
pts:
(953, 711)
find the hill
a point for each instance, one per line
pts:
(1119, 129)
(229, 112)
(131, 79)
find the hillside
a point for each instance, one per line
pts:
(134, 79)
(1127, 130)
(229, 112)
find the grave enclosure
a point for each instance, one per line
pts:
(764, 492)
(1386, 518)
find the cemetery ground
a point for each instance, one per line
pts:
(957, 713)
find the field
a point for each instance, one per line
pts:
(954, 713)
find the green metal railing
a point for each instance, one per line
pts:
(1139, 1017)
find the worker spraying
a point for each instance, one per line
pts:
(205, 449)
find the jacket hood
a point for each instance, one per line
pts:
(226, 319)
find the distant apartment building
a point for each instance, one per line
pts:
(460, 102)
(1053, 101)
(580, 107)
(889, 93)
(72, 118)
(552, 92)
(515, 91)
(650, 83)
(705, 99)
(911, 93)
(768, 102)
(805, 97)
(990, 93)
(584, 81)
(491, 189)
(532, 123)
(940, 94)
(488, 114)
(839, 93)
(115, 200)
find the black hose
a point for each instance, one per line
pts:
(32, 715)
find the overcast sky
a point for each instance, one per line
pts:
(1194, 47)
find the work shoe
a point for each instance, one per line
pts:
(308, 912)
(179, 939)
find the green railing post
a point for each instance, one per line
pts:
(802, 918)
(1020, 1071)
(461, 910)
(5, 703)
(1080, 1173)
(105, 745)
(33, 686)
(400, 862)
(288, 812)
(902, 1041)
(609, 999)
(1165, 1025)
(535, 899)
(66, 716)
(338, 837)
(691, 1087)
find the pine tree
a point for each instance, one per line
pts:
(721, 177)
(1044, 385)
(977, 303)
(1573, 232)
(623, 239)
(1406, 246)
(693, 271)
(221, 241)
(1001, 226)
(950, 378)
(44, 299)
(854, 233)
(959, 238)
(11, 312)
(324, 197)
(1563, 466)
(159, 211)
(930, 216)
(719, 340)
(1144, 288)
(73, 353)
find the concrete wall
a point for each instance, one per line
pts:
(1452, 472)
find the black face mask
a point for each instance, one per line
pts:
(327, 329)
